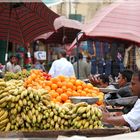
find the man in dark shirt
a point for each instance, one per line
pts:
(124, 80)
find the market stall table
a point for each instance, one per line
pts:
(56, 133)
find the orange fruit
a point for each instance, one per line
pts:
(79, 87)
(54, 86)
(78, 83)
(74, 93)
(69, 85)
(86, 89)
(79, 91)
(59, 84)
(64, 88)
(54, 80)
(33, 76)
(54, 94)
(69, 89)
(69, 93)
(62, 78)
(59, 90)
(58, 98)
(48, 83)
(99, 102)
(89, 95)
(93, 94)
(74, 88)
(83, 93)
(90, 86)
(64, 97)
(72, 81)
(84, 85)
(54, 100)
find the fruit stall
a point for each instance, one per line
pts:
(35, 105)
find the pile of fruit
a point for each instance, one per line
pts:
(24, 109)
(37, 79)
(17, 76)
(61, 87)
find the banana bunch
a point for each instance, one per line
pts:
(56, 117)
(17, 76)
(24, 107)
(70, 116)
(4, 121)
(86, 117)
(2, 85)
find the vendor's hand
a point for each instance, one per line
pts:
(94, 80)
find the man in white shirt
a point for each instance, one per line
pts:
(132, 118)
(62, 66)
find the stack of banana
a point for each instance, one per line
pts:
(24, 109)
(17, 76)
(70, 116)
(86, 117)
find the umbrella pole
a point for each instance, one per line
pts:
(77, 52)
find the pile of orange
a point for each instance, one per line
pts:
(36, 80)
(61, 88)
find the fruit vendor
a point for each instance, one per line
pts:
(124, 80)
(132, 118)
(62, 66)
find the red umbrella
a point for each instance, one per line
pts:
(119, 20)
(66, 31)
(22, 22)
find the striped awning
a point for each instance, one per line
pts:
(22, 22)
(119, 21)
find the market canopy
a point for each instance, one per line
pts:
(22, 22)
(119, 20)
(66, 31)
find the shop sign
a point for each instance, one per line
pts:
(40, 55)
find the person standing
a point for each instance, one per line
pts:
(83, 68)
(62, 66)
(12, 65)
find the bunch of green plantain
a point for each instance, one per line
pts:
(70, 116)
(17, 76)
(25, 107)
(86, 116)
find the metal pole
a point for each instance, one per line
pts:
(77, 52)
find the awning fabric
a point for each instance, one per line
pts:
(119, 20)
